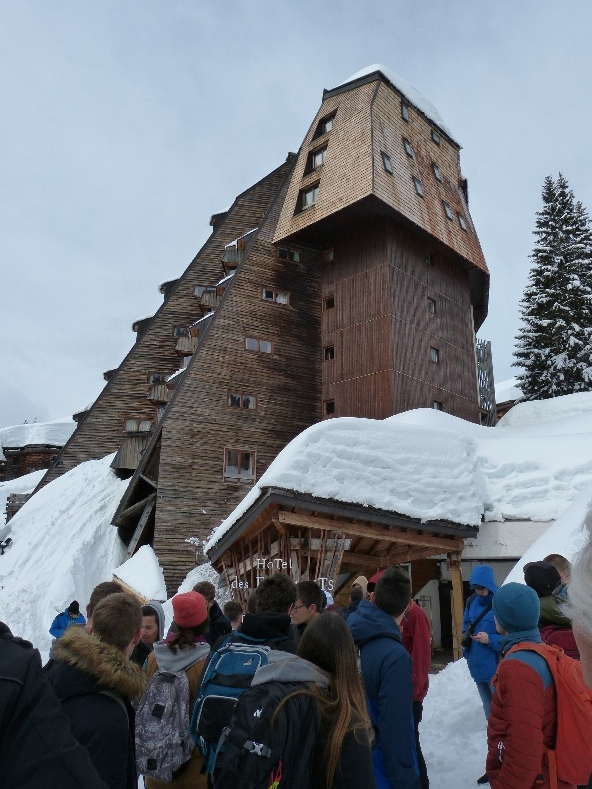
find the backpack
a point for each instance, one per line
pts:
(259, 752)
(571, 759)
(163, 744)
(229, 673)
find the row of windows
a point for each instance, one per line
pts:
(329, 406)
(329, 301)
(329, 350)
(405, 115)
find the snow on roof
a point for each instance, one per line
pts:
(25, 484)
(175, 374)
(412, 94)
(539, 414)
(225, 279)
(54, 433)
(238, 238)
(144, 574)
(507, 391)
(63, 546)
(430, 465)
(205, 318)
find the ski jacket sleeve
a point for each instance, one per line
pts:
(59, 625)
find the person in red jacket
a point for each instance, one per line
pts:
(417, 639)
(523, 717)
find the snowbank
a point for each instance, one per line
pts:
(507, 390)
(25, 484)
(143, 574)
(63, 546)
(54, 433)
(430, 465)
(415, 97)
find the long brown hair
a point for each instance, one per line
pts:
(328, 644)
(184, 637)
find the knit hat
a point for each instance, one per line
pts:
(362, 581)
(189, 609)
(516, 607)
(542, 577)
(74, 608)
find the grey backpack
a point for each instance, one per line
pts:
(163, 742)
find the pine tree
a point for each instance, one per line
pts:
(554, 345)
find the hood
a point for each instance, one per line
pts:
(368, 620)
(159, 615)
(216, 613)
(265, 627)
(96, 664)
(181, 659)
(283, 667)
(483, 576)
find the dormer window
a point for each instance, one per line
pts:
(275, 296)
(157, 378)
(418, 186)
(461, 222)
(448, 210)
(316, 159)
(405, 111)
(437, 173)
(325, 125)
(288, 254)
(386, 160)
(307, 198)
(408, 148)
(180, 331)
(435, 137)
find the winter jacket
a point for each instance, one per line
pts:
(271, 627)
(36, 745)
(142, 650)
(193, 661)
(482, 658)
(417, 639)
(96, 684)
(219, 624)
(386, 670)
(354, 770)
(550, 613)
(561, 637)
(63, 621)
(522, 721)
(353, 606)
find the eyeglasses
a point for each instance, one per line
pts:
(296, 607)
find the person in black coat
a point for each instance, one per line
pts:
(36, 745)
(219, 624)
(97, 683)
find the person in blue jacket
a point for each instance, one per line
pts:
(71, 616)
(386, 670)
(485, 642)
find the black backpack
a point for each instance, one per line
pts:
(255, 753)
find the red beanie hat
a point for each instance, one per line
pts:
(189, 609)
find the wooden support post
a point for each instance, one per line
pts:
(454, 559)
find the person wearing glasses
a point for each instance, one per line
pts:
(308, 605)
(481, 641)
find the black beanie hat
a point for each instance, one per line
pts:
(74, 608)
(542, 577)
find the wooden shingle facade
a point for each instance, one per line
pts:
(330, 288)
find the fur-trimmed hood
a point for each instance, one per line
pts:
(83, 664)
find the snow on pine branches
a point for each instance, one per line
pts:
(554, 344)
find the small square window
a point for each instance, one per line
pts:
(281, 298)
(308, 197)
(329, 255)
(408, 147)
(239, 465)
(145, 426)
(329, 302)
(267, 295)
(418, 186)
(437, 173)
(325, 125)
(329, 407)
(435, 137)
(438, 405)
(448, 210)
(199, 290)
(131, 426)
(429, 259)
(265, 346)
(234, 400)
(405, 111)
(180, 331)
(249, 402)
(431, 306)
(434, 355)
(288, 254)
(461, 221)
(239, 400)
(317, 158)
(386, 160)
(329, 352)
(251, 344)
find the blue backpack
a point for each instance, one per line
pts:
(229, 673)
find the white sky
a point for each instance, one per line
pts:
(124, 126)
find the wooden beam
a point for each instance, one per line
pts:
(454, 558)
(389, 535)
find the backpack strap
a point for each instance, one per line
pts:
(116, 698)
(486, 610)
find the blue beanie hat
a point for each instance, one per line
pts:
(516, 607)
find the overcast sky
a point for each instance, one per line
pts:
(125, 125)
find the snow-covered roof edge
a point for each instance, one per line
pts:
(417, 99)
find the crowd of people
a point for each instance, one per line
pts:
(296, 692)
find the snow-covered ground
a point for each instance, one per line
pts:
(25, 484)
(538, 461)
